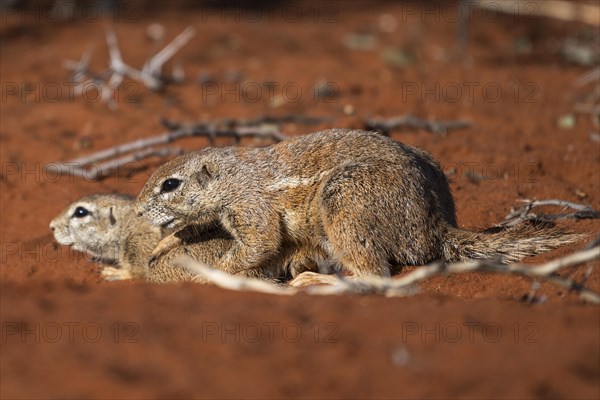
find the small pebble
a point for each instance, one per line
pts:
(400, 356)
(398, 58)
(387, 23)
(566, 121)
(83, 143)
(155, 32)
(360, 41)
(581, 194)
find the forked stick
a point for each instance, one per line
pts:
(150, 75)
(524, 213)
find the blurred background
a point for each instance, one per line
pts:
(505, 94)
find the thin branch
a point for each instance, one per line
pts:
(103, 169)
(231, 282)
(583, 108)
(142, 148)
(591, 76)
(285, 119)
(79, 69)
(119, 67)
(531, 296)
(153, 67)
(149, 75)
(156, 146)
(403, 286)
(386, 125)
(90, 170)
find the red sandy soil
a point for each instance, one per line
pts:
(67, 334)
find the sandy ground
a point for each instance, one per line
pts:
(67, 334)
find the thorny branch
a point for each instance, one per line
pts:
(404, 286)
(524, 213)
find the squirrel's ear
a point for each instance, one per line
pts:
(206, 173)
(111, 217)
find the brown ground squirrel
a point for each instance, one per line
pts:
(348, 197)
(105, 226)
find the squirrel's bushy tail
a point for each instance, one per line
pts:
(506, 246)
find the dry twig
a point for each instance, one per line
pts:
(592, 75)
(403, 286)
(588, 102)
(524, 213)
(232, 282)
(385, 125)
(109, 81)
(95, 166)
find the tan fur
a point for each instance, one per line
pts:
(337, 197)
(508, 245)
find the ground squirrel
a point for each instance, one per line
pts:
(353, 198)
(105, 226)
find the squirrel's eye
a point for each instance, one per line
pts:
(81, 212)
(169, 185)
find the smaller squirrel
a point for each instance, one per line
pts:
(105, 226)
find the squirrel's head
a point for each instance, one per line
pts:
(92, 223)
(181, 191)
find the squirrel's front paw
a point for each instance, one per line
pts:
(309, 278)
(163, 247)
(115, 274)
